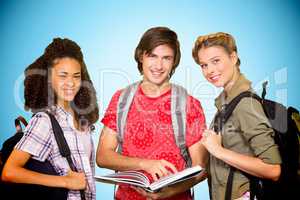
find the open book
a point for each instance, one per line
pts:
(139, 179)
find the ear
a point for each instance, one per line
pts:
(141, 57)
(234, 57)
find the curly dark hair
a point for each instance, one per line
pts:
(38, 92)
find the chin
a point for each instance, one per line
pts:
(157, 82)
(217, 84)
(68, 99)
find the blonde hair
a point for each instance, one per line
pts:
(221, 39)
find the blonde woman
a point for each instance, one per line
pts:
(246, 142)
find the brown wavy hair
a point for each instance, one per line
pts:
(154, 37)
(221, 39)
(38, 91)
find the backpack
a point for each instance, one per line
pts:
(14, 191)
(178, 115)
(286, 137)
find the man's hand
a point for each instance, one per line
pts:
(163, 193)
(157, 168)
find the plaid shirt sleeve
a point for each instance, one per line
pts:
(37, 138)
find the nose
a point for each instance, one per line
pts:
(70, 82)
(159, 64)
(210, 69)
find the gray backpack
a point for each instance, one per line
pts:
(178, 115)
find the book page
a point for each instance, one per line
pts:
(139, 179)
(175, 178)
(130, 177)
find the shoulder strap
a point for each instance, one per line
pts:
(61, 141)
(178, 116)
(18, 121)
(179, 97)
(123, 107)
(63, 145)
(221, 119)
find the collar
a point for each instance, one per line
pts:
(241, 85)
(60, 113)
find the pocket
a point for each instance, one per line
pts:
(230, 135)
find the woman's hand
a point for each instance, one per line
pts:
(212, 142)
(75, 180)
(157, 168)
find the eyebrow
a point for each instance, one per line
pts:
(153, 54)
(168, 56)
(63, 72)
(213, 57)
(209, 59)
(150, 53)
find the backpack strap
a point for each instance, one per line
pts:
(18, 121)
(124, 103)
(223, 115)
(123, 107)
(219, 121)
(178, 116)
(264, 92)
(63, 145)
(179, 97)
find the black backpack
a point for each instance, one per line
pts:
(286, 137)
(13, 191)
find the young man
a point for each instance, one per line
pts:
(147, 139)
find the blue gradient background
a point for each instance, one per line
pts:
(266, 32)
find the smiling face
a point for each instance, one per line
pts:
(66, 79)
(218, 67)
(157, 65)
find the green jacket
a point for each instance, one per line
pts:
(248, 132)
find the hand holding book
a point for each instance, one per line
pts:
(161, 194)
(139, 179)
(158, 168)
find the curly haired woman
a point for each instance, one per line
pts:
(58, 82)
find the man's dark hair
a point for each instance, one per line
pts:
(154, 37)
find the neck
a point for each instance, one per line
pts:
(66, 106)
(232, 81)
(153, 90)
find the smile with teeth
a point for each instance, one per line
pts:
(214, 78)
(156, 73)
(68, 92)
